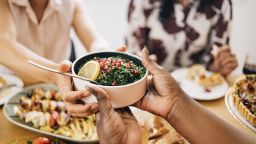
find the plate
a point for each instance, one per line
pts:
(235, 113)
(25, 140)
(5, 93)
(196, 91)
(10, 115)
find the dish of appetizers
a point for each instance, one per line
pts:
(36, 140)
(121, 75)
(9, 85)
(39, 108)
(241, 101)
(199, 83)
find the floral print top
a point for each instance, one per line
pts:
(186, 38)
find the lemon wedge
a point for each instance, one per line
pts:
(90, 70)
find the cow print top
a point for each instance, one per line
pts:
(186, 38)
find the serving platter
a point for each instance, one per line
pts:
(196, 91)
(10, 115)
(235, 113)
(29, 139)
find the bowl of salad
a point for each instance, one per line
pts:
(121, 75)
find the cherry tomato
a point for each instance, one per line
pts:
(41, 140)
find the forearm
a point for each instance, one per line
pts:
(15, 57)
(86, 31)
(200, 126)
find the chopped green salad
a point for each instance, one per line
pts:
(116, 71)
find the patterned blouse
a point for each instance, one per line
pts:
(186, 38)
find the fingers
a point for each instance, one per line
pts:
(65, 66)
(78, 110)
(222, 51)
(72, 96)
(122, 48)
(231, 59)
(229, 68)
(224, 60)
(64, 82)
(149, 64)
(104, 103)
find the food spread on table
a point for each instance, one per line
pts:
(112, 71)
(198, 74)
(244, 97)
(2, 82)
(45, 110)
(45, 140)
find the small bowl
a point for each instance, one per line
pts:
(120, 96)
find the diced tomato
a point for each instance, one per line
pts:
(109, 59)
(118, 64)
(136, 71)
(114, 83)
(53, 119)
(128, 65)
(41, 140)
(105, 67)
(107, 63)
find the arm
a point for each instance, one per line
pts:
(218, 56)
(199, 125)
(14, 55)
(85, 30)
(114, 126)
(190, 119)
(220, 33)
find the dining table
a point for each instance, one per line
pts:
(10, 132)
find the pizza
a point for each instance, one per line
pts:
(244, 97)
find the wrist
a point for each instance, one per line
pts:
(179, 109)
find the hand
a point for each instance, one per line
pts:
(115, 126)
(224, 61)
(72, 99)
(163, 91)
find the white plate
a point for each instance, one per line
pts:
(196, 91)
(10, 115)
(236, 114)
(8, 92)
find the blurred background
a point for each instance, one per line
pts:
(110, 18)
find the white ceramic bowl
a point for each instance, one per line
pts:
(120, 96)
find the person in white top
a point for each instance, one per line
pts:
(39, 30)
